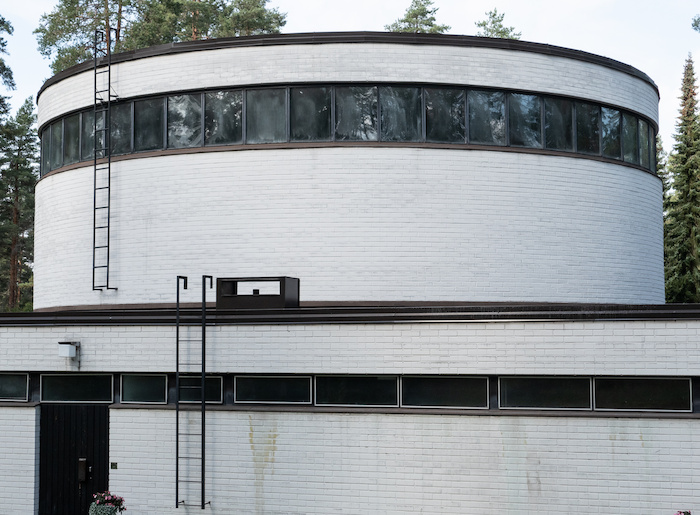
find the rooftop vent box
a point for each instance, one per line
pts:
(257, 292)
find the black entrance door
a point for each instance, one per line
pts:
(73, 460)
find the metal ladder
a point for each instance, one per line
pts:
(190, 440)
(102, 161)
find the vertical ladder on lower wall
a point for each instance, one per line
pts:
(190, 424)
(102, 160)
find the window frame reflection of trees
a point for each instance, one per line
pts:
(375, 112)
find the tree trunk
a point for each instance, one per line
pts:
(108, 28)
(118, 33)
(195, 29)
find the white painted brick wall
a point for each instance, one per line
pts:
(359, 62)
(19, 460)
(327, 463)
(648, 348)
(379, 224)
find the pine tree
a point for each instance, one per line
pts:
(18, 174)
(248, 18)
(492, 27)
(67, 33)
(419, 17)
(683, 208)
(668, 195)
(5, 71)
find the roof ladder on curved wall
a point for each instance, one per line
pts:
(102, 160)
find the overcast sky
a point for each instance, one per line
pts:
(651, 35)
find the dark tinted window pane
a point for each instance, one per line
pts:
(56, 154)
(190, 389)
(525, 122)
(71, 136)
(148, 124)
(400, 113)
(558, 124)
(460, 392)
(184, 121)
(45, 150)
(545, 392)
(356, 113)
(643, 394)
(610, 127)
(120, 129)
(87, 143)
(73, 388)
(13, 387)
(138, 388)
(444, 115)
(629, 138)
(265, 116)
(359, 390)
(310, 114)
(644, 147)
(273, 389)
(587, 128)
(487, 117)
(652, 149)
(223, 115)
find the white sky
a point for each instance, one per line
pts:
(651, 35)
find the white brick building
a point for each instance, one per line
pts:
(476, 226)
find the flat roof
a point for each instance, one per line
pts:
(357, 314)
(319, 38)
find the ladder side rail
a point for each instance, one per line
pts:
(109, 154)
(97, 40)
(203, 382)
(182, 279)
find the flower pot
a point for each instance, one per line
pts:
(102, 509)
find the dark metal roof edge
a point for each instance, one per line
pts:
(317, 38)
(361, 315)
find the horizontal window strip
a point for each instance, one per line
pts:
(386, 113)
(411, 392)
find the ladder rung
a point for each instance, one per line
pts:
(102, 188)
(101, 207)
(100, 266)
(102, 227)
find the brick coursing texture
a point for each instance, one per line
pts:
(646, 348)
(19, 460)
(358, 63)
(378, 224)
(323, 463)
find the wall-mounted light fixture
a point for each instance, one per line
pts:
(70, 350)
